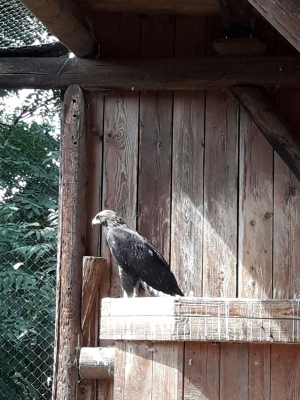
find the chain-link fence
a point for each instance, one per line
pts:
(29, 147)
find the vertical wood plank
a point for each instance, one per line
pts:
(119, 371)
(286, 233)
(234, 371)
(285, 379)
(187, 191)
(201, 371)
(167, 374)
(118, 34)
(187, 166)
(138, 372)
(72, 246)
(154, 181)
(220, 196)
(119, 37)
(120, 166)
(256, 212)
(95, 102)
(259, 372)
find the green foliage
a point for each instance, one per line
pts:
(29, 149)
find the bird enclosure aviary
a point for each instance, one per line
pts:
(181, 123)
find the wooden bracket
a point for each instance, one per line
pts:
(97, 362)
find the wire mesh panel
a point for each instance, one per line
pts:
(18, 27)
(29, 146)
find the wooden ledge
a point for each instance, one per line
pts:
(201, 319)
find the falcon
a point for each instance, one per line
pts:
(140, 263)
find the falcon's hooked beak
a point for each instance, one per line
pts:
(98, 220)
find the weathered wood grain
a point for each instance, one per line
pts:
(119, 373)
(120, 168)
(201, 371)
(255, 213)
(92, 270)
(204, 7)
(239, 320)
(286, 274)
(239, 47)
(96, 363)
(259, 107)
(220, 196)
(138, 372)
(94, 109)
(285, 376)
(213, 307)
(65, 22)
(283, 15)
(259, 371)
(234, 371)
(151, 74)
(154, 176)
(187, 191)
(119, 35)
(187, 166)
(68, 335)
(167, 371)
(202, 329)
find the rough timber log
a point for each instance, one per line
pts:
(284, 15)
(64, 21)
(264, 115)
(68, 335)
(96, 362)
(150, 74)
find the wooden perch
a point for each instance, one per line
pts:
(64, 22)
(151, 74)
(92, 271)
(284, 15)
(199, 319)
(264, 115)
(97, 362)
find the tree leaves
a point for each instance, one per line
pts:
(29, 150)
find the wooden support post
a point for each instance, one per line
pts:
(284, 15)
(71, 247)
(264, 115)
(64, 21)
(97, 362)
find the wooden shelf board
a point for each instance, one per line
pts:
(201, 319)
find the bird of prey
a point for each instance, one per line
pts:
(139, 261)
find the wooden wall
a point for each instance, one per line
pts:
(192, 173)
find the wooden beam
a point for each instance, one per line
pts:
(284, 15)
(68, 336)
(264, 115)
(64, 21)
(97, 362)
(199, 7)
(150, 74)
(201, 319)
